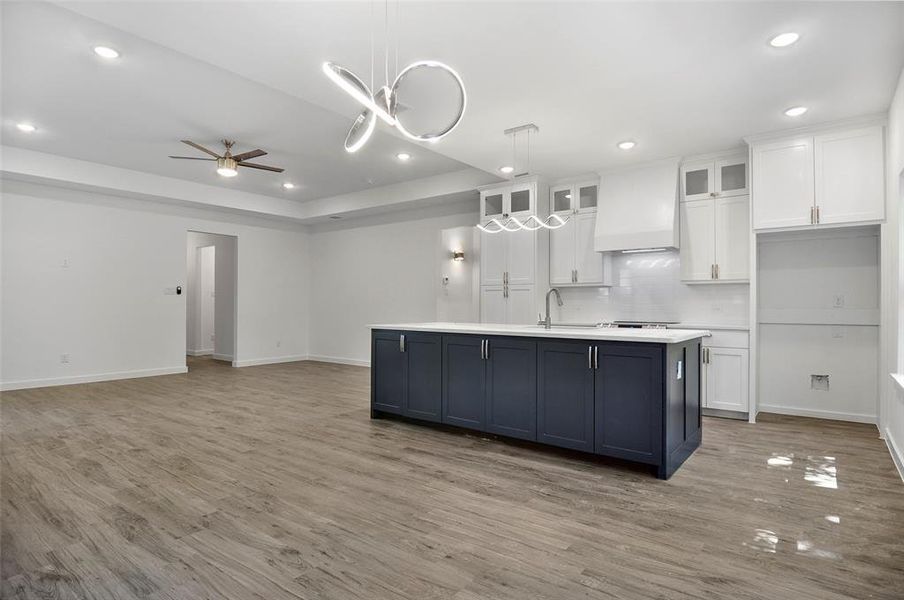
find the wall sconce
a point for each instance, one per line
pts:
(458, 255)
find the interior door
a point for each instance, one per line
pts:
(782, 183)
(561, 253)
(492, 257)
(850, 176)
(492, 304)
(511, 385)
(588, 263)
(732, 233)
(726, 379)
(698, 249)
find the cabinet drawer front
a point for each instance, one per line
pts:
(511, 397)
(565, 402)
(727, 339)
(464, 382)
(629, 402)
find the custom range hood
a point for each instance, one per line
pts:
(637, 208)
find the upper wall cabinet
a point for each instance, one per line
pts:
(714, 178)
(834, 178)
(572, 259)
(510, 200)
(715, 240)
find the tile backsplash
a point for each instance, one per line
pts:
(648, 287)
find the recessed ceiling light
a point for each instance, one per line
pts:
(106, 52)
(784, 39)
(506, 170)
(796, 111)
(627, 144)
(403, 156)
(289, 185)
(26, 127)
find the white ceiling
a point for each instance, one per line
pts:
(679, 78)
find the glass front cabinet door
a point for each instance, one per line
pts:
(714, 178)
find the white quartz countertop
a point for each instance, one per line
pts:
(653, 336)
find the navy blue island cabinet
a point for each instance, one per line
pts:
(638, 401)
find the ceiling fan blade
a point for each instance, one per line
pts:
(192, 158)
(247, 155)
(201, 148)
(262, 167)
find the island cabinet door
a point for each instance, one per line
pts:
(565, 403)
(511, 395)
(628, 401)
(388, 372)
(424, 394)
(464, 381)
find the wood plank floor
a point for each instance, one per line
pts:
(272, 482)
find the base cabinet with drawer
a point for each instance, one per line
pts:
(630, 400)
(725, 362)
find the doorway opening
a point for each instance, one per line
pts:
(210, 331)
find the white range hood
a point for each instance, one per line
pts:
(637, 208)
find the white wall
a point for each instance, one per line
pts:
(225, 293)
(84, 275)
(647, 287)
(457, 298)
(378, 272)
(892, 421)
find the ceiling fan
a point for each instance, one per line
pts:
(228, 163)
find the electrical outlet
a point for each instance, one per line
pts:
(65, 263)
(838, 301)
(64, 358)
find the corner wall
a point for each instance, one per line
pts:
(87, 275)
(892, 361)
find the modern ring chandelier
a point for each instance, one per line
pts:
(384, 102)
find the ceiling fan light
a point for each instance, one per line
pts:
(226, 167)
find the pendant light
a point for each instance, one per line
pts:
(531, 223)
(385, 102)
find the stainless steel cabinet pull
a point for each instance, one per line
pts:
(575, 275)
(596, 357)
(712, 271)
(817, 214)
(812, 213)
(401, 343)
(717, 270)
(486, 352)
(589, 357)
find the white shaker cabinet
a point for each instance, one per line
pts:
(715, 239)
(850, 176)
(725, 379)
(572, 258)
(828, 179)
(724, 382)
(783, 189)
(513, 264)
(714, 177)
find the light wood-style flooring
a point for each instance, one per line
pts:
(272, 482)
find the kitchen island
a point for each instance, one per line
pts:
(632, 394)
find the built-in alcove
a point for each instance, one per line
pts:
(818, 319)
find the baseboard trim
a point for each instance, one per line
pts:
(198, 352)
(339, 361)
(818, 414)
(254, 362)
(226, 357)
(7, 386)
(897, 456)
